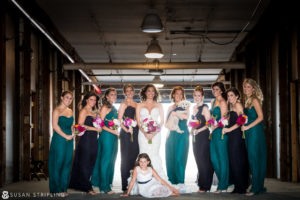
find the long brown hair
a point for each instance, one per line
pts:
(104, 100)
(83, 103)
(143, 96)
(222, 88)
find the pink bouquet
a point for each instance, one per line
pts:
(210, 123)
(130, 123)
(150, 126)
(98, 122)
(241, 120)
(221, 123)
(194, 124)
(113, 124)
(79, 130)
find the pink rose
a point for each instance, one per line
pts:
(111, 123)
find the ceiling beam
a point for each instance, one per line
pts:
(177, 65)
(141, 84)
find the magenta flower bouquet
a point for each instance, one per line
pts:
(210, 123)
(222, 123)
(150, 126)
(130, 123)
(113, 124)
(241, 120)
(79, 130)
(194, 124)
(98, 122)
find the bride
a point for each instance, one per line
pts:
(150, 107)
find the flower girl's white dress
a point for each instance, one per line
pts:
(148, 186)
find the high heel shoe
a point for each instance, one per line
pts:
(249, 194)
(92, 192)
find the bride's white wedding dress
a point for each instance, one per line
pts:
(152, 149)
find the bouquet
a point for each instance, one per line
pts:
(98, 122)
(130, 123)
(194, 124)
(210, 123)
(150, 126)
(113, 124)
(79, 130)
(241, 120)
(221, 123)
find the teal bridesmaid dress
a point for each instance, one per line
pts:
(177, 146)
(257, 153)
(103, 172)
(60, 157)
(219, 152)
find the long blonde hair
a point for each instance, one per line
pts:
(257, 93)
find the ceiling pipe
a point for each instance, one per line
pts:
(97, 89)
(179, 65)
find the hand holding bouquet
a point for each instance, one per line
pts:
(79, 130)
(210, 124)
(130, 123)
(113, 124)
(194, 124)
(241, 120)
(222, 123)
(150, 126)
(98, 122)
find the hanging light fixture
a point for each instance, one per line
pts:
(151, 22)
(154, 50)
(157, 82)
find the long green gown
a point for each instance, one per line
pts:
(103, 172)
(219, 152)
(60, 157)
(257, 153)
(177, 146)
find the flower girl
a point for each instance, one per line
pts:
(149, 184)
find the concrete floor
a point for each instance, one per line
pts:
(276, 190)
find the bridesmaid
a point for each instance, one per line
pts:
(255, 137)
(218, 146)
(107, 145)
(61, 149)
(237, 153)
(128, 136)
(201, 144)
(177, 144)
(86, 151)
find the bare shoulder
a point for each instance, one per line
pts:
(255, 101)
(123, 105)
(56, 112)
(134, 104)
(156, 104)
(239, 106)
(139, 105)
(83, 111)
(170, 107)
(223, 102)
